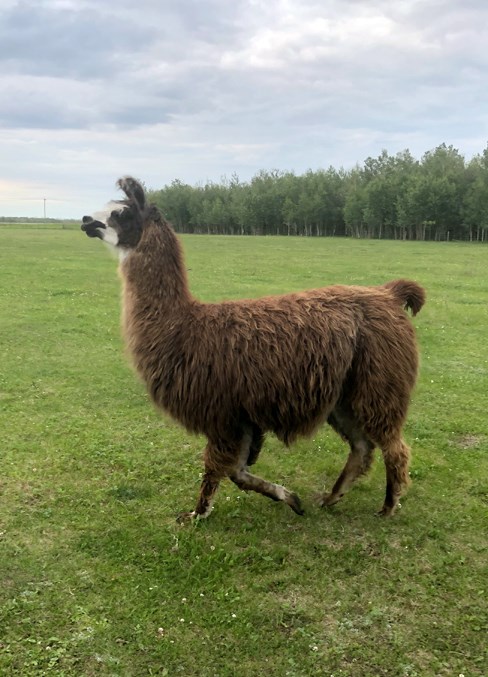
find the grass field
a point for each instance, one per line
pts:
(97, 578)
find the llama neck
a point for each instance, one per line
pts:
(154, 272)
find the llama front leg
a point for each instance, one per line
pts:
(218, 459)
(208, 487)
(210, 484)
(250, 446)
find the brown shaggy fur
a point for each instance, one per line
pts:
(286, 364)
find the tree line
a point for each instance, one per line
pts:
(26, 219)
(439, 197)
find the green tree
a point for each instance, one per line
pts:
(475, 205)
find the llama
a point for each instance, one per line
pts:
(235, 370)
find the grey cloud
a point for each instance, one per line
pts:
(145, 70)
(40, 40)
(72, 108)
(221, 86)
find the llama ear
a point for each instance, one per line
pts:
(134, 191)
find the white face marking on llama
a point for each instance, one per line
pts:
(112, 227)
(120, 224)
(110, 236)
(123, 254)
(104, 214)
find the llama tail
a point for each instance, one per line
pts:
(410, 294)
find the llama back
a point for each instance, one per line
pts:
(277, 363)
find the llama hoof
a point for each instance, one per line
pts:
(185, 517)
(326, 500)
(295, 504)
(387, 511)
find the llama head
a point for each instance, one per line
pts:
(122, 223)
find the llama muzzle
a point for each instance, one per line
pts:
(91, 227)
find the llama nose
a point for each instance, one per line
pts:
(85, 221)
(89, 224)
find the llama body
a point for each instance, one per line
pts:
(235, 370)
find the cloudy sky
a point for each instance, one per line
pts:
(199, 89)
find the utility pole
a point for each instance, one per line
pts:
(44, 207)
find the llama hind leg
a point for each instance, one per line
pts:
(249, 482)
(360, 457)
(255, 445)
(396, 455)
(358, 463)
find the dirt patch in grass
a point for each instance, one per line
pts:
(469, 441)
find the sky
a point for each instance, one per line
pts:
(199, 90)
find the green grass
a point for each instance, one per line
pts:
(96, 576)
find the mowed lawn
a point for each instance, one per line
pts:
(97, 578)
